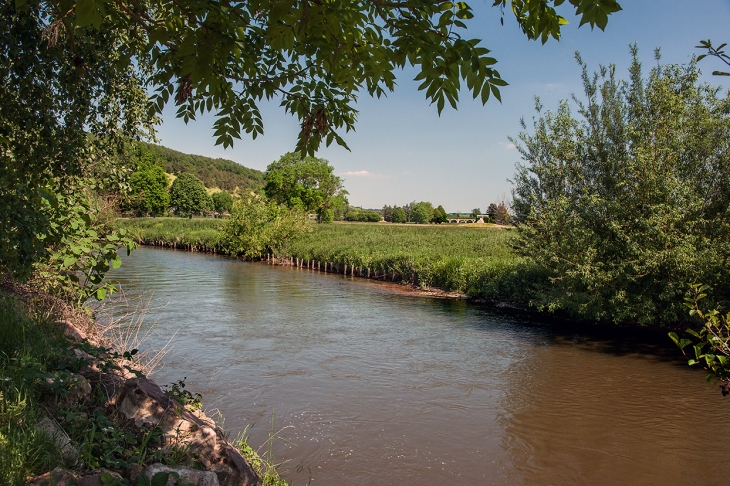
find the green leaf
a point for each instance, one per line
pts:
(143, 480)
(160, 479)
(101, 295)
(89, 12)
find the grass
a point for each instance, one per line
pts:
(471, 260)
(39, 376)
(197, 233)
(29, 346)
(476, 260)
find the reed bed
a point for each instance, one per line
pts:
(197, 234)
(477, 261)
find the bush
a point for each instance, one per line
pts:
(627, 204)
(258, 227)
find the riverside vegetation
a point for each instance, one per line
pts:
(478, 262)
(60, 404)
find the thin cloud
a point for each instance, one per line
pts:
(507, 146)
(364, 173)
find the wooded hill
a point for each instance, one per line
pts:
(221, 173)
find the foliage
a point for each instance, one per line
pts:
(628, 204)
(189, 400)
(717, 52)
(85, 246)
(201, 233)
(24, 352)
(148, 185)
(711, 349)
(67, 108)
(476, 261)
(363, 216)
(225, 58)
(499, 213)
(222, 201)
(421, 212)
(258, 227)
(399, 215)
(439, 215)
(221, 173)
(188, 195)
(305, 183)
(264, 466)
(475, 212)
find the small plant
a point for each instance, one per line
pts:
(177, 391)
(265, 466)
(712, 346)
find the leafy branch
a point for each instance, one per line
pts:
(711, 347)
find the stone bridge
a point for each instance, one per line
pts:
(478, 219)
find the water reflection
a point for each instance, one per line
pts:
(382, 387)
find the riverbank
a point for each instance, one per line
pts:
(75, 405)
(475, 262)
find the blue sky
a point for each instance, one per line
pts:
(403, 151)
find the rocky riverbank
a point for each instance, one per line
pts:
(75, 409)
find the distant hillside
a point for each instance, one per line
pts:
(221, 173)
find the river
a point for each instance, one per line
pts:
(369, 384)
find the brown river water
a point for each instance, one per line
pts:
(372, 385)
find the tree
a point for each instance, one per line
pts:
(306, 183)
(80, 68)
(476, 212)
(717, 52)
(492, 212)
(66, 108)
(387, 213)
(188, 195)
(148, 185)
(222, 201)
(399, 216)
(625, 205)
(499, 213)
(439, 215)
(422, 212)
(225, 57)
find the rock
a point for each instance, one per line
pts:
(72, 331)
(143, 402)
(194, 476)
(59, 437)
(133, 472)
(79, 389)
(93, 478)
(57, 477)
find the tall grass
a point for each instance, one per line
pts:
(471, 260)
(28, 346)
(476, 261)
(202, 234)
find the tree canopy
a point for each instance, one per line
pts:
(223, 57)
(148, 185)
(222, 201)
(188, 195)
(306, 183)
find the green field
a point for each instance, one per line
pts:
(477, 261)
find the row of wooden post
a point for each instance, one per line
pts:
(331, 267)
